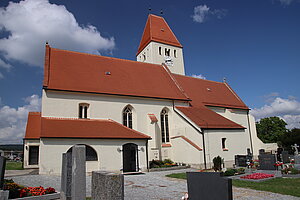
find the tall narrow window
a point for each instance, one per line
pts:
(83, 110)
(175, 53)
(159, 50)
(164, 126)
(127, 117)
(223, 143)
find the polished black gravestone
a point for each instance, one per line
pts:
(209, 186)
(267, 161)
(240, 160)
(2, 170)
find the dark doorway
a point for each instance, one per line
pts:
(130, 157)
(33, 155)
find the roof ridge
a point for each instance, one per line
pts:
(106, 57)
(34, 113)
(75, 119)
(199, 78)
(235, 94)
(175, 81)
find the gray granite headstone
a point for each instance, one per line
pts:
(78, 185)
(297, 162)
(209, 186)
(285, 157)
(267, 161)
(66, 176)
(2, 170)
(106, 185)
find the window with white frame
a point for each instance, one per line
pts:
(83, 110)
(164, 126)
(127, 116)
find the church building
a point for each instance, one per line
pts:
(128, 113)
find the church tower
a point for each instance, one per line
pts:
(159, 45)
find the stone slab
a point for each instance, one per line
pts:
(66, 176)
(209, 186)
(42, 197)
(267, 161)
(297, 159)
(78, 184)
(2, 170)
(107, 185)
(285, 157)
(4, 194)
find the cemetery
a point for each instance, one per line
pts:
(200, 183)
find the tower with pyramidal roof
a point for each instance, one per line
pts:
(159, 45)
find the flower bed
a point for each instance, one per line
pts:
(19, 191)
(257, 176)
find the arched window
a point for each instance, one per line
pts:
(90, 153)
(164, 126)
(83, 110)
(175, 53)
(167, 52)
(159, 50)
(127, 116)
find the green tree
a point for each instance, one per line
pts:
(271, 129)
(290, 138)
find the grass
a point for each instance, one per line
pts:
(10, 165)
(287, 186)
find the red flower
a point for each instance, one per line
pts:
(257, 176)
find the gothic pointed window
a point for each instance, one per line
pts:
(127, 117)
(164, 126)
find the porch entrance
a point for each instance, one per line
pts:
(130, 158)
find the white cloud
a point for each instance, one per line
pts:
(286, 2)
(13, 121)
(4, 65)
(30, 23)
(199, 76)
(287, 109)
(202, 12)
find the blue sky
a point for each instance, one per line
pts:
(255, 44)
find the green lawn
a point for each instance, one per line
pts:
(13, 165)
(288, 186)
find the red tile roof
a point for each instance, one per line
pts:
(72, 71)
(33, 128)
(44, 127)
(208, 119)
(157, 30)
(152, 118)
(209, 93)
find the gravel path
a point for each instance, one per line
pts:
(152, 185)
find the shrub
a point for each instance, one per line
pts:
(218, 161)
(230, 172)
(168, 161)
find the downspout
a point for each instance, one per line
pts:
(250, 132)
(147, 159)
(202, 133)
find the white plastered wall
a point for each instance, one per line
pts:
(27, 144)
(151, 53)
(109, 158)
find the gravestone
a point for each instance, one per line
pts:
(73, 178)
(285, 157)
(106, 185)
(209, 186)
(240, 160)
(3, 193)
(297, 162)
(2, 170)
(267, 161)
(66, 176)
(279, 154)
(261, 151)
